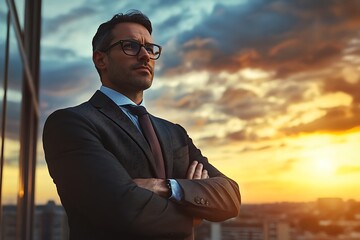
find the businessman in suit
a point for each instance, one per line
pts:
(107, 171)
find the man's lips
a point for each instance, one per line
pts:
(146, 68)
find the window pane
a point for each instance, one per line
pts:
(10, 177)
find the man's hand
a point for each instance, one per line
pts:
(159, 186)
(196, 171)
(155, 185)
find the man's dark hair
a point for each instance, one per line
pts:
(103, 36)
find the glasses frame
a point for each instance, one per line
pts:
(121, 42)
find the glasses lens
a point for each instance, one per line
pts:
(130, 47)
(153, 50)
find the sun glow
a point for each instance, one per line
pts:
(324, 166)
(320, 157)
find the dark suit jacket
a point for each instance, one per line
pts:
(93, 152)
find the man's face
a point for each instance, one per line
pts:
(128, 74)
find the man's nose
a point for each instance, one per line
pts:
(143, 54)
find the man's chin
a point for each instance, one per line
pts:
(145, 87)
(146, 84)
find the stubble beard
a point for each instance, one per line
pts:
(129, 79)
(131, 83)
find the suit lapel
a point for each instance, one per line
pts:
(166, 147)
(106, 106)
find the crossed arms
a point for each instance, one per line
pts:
(160, 187)
(95, 185)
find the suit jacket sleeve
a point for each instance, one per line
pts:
(95, 188)
(213, 199)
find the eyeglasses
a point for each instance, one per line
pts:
(132, 48)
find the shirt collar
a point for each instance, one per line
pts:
(118, 98)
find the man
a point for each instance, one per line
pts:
(106, 169)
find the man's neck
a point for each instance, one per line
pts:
(135, 98)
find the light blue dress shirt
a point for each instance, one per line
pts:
(120, 99)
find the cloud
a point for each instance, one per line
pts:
(65, 79)
(66, 84)
(237, 136)
(282, 37)
(194, 100)
(303, 43)
(58, 53)
(287, 36)
(335, 120)
(55, 24)
(291, 91)
(286, 166)
(12, 158)
(14, 91)
(13, 113)
(243, 103)
(3, 17)
(338, 84)
(171, 22)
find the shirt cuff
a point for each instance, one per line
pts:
(176, 191)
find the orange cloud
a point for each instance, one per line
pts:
(335, 120)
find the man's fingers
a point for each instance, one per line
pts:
(204, 174)
(191, 170)
(198, 171)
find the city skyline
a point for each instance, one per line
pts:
(323, 218)
(269, 91)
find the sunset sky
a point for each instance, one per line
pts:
(268, 90)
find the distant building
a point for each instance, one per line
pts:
(248, 229)
(243, 230)
(50, 223)
(276, 230)
(330, 208)
(8, 223)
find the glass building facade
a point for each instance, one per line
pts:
(20, 23)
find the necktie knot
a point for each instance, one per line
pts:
(136, 110)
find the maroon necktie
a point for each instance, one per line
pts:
(150, 135)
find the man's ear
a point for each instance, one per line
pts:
(99, 59)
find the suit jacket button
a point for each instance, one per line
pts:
(197, 200)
